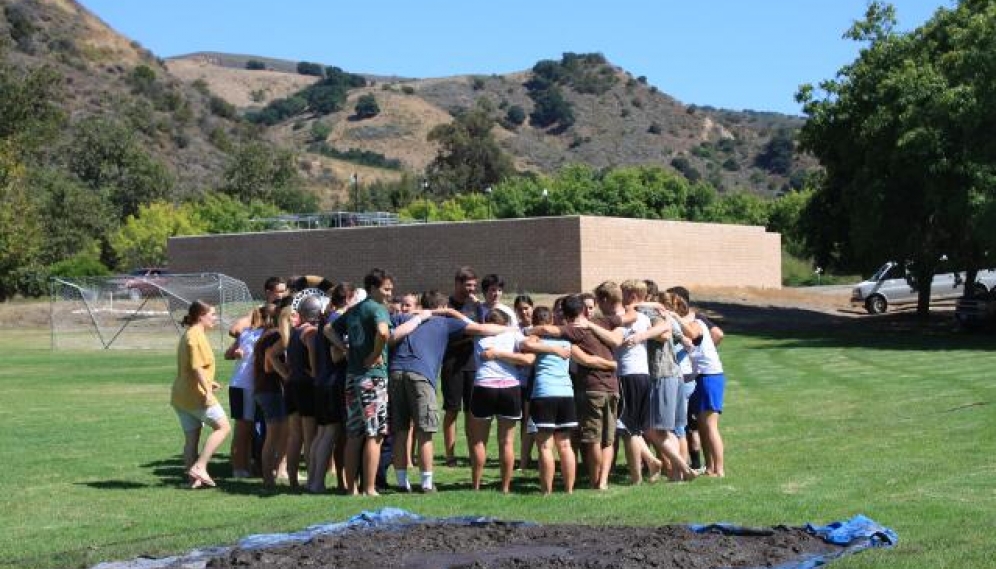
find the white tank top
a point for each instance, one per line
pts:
(705, 358)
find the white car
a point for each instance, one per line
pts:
(890, 285)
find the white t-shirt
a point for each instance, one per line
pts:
(497, 373)
(632, 360)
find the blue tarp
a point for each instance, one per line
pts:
(854, 535)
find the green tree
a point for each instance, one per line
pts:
(904, 135)
(141, 241)
(220, 213)
(256, 170)
(469, 158)
(776, 155)
(105, 155)
(367, 107)
(515, 115)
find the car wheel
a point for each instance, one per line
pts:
(876, 304)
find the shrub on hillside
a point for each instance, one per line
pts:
(367, 107)
(255, 65)
(309, 68)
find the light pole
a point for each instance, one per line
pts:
(425, 196)
(356, 192)
(487, 190)
(546, 202)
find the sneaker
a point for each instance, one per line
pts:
(427, 490)
(403, 489)
(241, 474)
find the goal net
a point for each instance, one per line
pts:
(140, 312)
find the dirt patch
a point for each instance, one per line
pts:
(502, 545)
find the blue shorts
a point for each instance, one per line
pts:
(708, 395)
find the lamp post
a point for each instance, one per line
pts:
(546, 202)
(425, 196)
(487, 190)
(356, 192)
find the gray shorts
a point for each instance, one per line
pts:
(412, 399)
(668, 406)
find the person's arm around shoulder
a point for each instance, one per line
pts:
(238, 326)
(533, 344)
(590, 361)
(409, 326)
(612, 338)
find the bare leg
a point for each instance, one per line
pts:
(506, 452)
(371, 459)
(214, 440)
(568, 468)
(425, 456)
(339, 457)
(593, 458)
(546, 462)
(635, 446)
(478, 435)
(400, 456)
(712, 443)
(321, 453)
(293, 452)
(525, 439)
(351, 462)
(308, 431)
(191, 440)
(449, 435)
(273, 451)
(607, 451)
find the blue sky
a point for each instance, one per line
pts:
(737, 54)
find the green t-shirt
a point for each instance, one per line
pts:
(359, 324)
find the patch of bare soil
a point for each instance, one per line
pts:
(503, 545)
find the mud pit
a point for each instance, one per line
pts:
(502, 545)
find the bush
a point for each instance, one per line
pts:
(515, 115)
(309, 68)
(408, 89)
(655, 128)
(222, 108)
(477, 83)
(367, 107)
(255, 65)
(320, 131)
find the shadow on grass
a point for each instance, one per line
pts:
(800, 327)
(114, 485)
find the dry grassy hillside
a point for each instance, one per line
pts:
(239, 87)
(631, 123)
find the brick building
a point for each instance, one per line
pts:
(547, 254)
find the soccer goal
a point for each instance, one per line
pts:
(140, 312)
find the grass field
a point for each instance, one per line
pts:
(818, 427)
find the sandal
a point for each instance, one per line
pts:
(201, 476)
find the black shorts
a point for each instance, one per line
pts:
(635, 395)
(505, 402)
(300, 397)
(457, 388)
(329, 406)
(554, 413)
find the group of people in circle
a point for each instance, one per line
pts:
(334, 371)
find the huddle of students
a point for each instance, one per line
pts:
(336, 380)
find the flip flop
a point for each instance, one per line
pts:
(201, 477)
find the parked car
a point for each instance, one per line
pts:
(145, 282)
(891, 285)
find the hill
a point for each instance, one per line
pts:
(618, 120)
(103, 74)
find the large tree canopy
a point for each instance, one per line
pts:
(905, 135)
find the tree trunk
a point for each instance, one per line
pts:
(924, 280)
